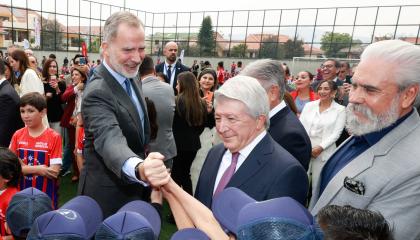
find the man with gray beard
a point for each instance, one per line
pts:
(378, 167)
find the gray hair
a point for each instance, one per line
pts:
(268, 72)
(247, 90)
(404, 55)
(115, 20)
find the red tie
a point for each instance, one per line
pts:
(227, 175)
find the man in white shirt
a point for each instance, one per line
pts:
(248, 159)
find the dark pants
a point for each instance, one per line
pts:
(181, 169)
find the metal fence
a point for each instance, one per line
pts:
(64, 25)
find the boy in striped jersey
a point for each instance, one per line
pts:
(38, 147)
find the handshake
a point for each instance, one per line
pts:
(154, 171)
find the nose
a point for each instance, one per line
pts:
(356, 95)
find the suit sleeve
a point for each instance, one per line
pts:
(292, 182)
(99, 113)
(6, 116)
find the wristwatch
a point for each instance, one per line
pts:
(137, 171)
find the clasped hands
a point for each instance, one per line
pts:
(153, 170)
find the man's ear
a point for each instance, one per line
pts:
(409, 96)
(273, 93)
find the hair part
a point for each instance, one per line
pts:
(115, 20)
(268, 72)
(248, 91)
(35, 100)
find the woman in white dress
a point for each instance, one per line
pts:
(323, 120)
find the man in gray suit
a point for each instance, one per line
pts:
(163, 98)
(378, 168)
(116, 122)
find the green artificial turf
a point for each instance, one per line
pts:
(68, 190)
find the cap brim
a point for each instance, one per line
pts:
(89, 210)
(190, 234)
(227, 205)
(282, 207)
(147, 210)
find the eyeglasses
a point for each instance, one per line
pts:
(327, 66)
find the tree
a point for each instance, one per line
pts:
(239, 51)
(52, 37)
(293, 49)
(332, 43)
(271, 48)
(206, 41)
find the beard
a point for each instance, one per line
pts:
(374, 122)
(120, 68)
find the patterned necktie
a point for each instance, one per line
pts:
(227, 175)
(128, 87)
(169, 73)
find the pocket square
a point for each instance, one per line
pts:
(354, 185)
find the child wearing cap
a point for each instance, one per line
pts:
(38, 147)
(10, 172)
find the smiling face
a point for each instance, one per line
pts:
(14, 64)
(207, 82)
(125, 52)
(52, 69)
(328, 70)
(325, 92)
(235, 126)
(76, 77)
(303, 81)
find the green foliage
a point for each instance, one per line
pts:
(239, 51)
(332, 43)
(51, 37)
(293, 49)
(270, 48)
(206, 38)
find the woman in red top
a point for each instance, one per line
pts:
(303, 93)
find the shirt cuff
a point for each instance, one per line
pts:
(129, 170)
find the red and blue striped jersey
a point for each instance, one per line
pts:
(42, 150)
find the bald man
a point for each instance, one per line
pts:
(171, 67)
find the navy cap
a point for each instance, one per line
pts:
(135, 220)
(190, 234)
(77, 219)
(244, 216)
(24, 208)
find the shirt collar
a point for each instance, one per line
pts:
(2, 80)
(374, 137)
(172, 65)
(244, 152)
(120, 78)
(276, 109)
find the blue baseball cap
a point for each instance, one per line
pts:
(135, 220)
(77, 219)
(24, 208)
(190, 234)
(247, 218)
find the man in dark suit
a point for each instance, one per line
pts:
(116, 121)
(285, 127)
(10, 120)
(171, 67)
(248, 159)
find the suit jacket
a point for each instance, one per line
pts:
(179, 68)
(10, 120)
(113, 134)
(268, 172)
(332, 120)
(390, 172)
(163, 97)
(286, 130)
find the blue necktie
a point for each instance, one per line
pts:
(128, 87)
(169, 73)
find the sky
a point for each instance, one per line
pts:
(214, 5)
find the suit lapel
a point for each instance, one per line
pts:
(137, 85)
(365, 160)
(122, 97)
(279, 115)
(252, 163)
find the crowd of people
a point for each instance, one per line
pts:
(324, 156)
